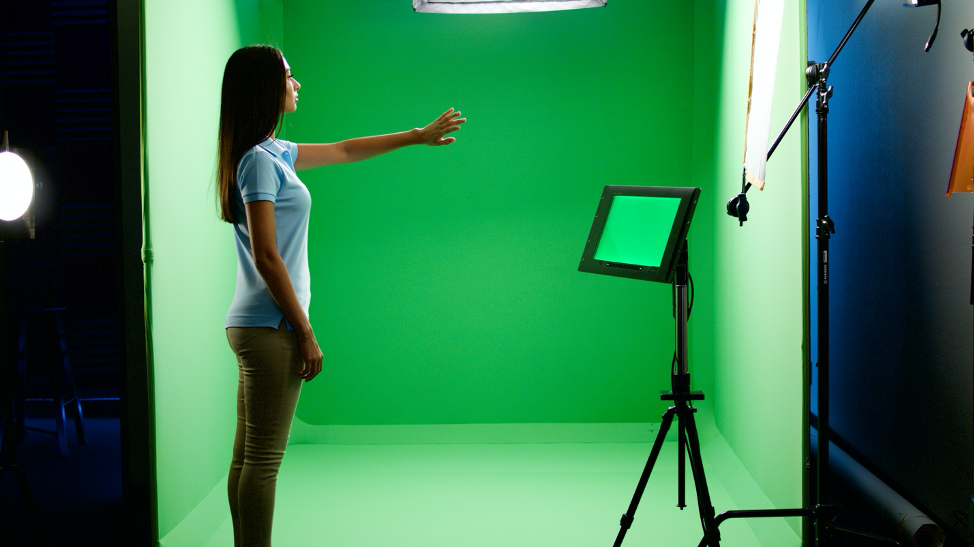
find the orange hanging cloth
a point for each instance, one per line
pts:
(962, 171)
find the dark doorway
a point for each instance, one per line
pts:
(66, 100)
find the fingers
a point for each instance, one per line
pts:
(455, 119)
(311, 356)
(446, 123)
(444, 132)
(449, 118)
(441, 142)
(449, 114)
(435, 133)
(310, 370)
(311, 359)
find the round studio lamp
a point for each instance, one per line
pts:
(16, 184)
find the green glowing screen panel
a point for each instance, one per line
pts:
(637, 230)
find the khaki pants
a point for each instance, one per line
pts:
(267, 394)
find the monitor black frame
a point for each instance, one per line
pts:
(678, 233)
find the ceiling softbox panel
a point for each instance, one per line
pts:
(501, 6)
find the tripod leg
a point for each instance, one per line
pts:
(627, 517)
(681, 491)
(711, 535)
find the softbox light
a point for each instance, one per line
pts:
(16, 184)
(501, 6)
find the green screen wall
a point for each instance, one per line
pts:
(760, 283)
(445, 288)
(444, 284)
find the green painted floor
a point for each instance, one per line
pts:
(480, 495)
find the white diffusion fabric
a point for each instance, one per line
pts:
(501, 6)
(768, 16)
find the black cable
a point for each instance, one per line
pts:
(933, 35)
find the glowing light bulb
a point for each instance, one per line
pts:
(16, 186)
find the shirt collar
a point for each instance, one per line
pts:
(273, 146)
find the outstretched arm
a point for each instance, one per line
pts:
(363, 148)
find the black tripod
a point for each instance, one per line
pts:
(682, 410)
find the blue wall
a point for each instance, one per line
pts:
(900, 264)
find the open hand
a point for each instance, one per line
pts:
(435, 133)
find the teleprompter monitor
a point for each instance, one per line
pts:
(638, 230)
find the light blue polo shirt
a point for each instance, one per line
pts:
(266, 172)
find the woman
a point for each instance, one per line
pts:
(267, 323)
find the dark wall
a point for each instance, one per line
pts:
(56, 101)
(900, 261)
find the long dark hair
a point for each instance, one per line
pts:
(251, 108)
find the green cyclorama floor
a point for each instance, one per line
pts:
(569, 491)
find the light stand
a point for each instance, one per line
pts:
(817, 76)
(9, 459)
(682, 410)
(640, 232)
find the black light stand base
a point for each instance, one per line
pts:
(821, 513)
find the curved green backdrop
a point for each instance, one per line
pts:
(445, 288)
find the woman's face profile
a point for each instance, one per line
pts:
(291, 91)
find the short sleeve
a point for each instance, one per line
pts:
(259, 176)
(293, 149)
